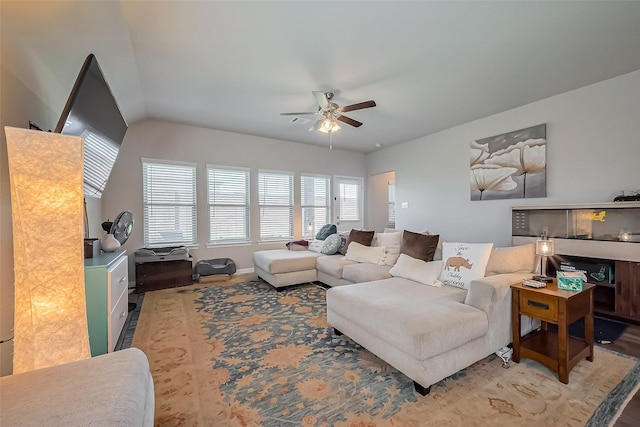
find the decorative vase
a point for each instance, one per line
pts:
(110, 243)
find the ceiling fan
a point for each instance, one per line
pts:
(329, 112)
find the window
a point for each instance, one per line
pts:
(169, 202)
(276, 205)
(314, 192)
(391, 223)
(228, 199)
(349, 201)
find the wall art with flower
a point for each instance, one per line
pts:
(510, 166)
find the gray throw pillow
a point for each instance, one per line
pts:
(326, 231)
(331, 244)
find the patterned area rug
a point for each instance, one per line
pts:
(244, 354)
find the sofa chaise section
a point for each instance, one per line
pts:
(282, 267)
(428, 333)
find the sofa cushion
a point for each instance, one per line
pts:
(316, 246)
(513, 259)
(284, 261)
(326, 231)
(464, 262)
(420, 271)
(364, 272)
(333, 265)
(416, 319)
(392, 242)
(369, 254)
(113, 389)
(419, 246)
(360, 236)
(331, 244)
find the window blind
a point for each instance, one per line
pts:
(392, 205)
(169, 202)
(228, 199)
(349, 201)
(315, 202)
(276, 205)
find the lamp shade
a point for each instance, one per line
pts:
(45, 171)
(544, 247)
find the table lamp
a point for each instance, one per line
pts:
(544, 248)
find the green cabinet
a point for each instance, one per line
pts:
(106, 282)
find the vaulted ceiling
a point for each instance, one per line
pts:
(236, 65)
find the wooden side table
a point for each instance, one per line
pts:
(557, 351)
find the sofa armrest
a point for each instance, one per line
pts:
(492, 294)
(485, 293)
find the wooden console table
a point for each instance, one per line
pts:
(557, 351)
(152, 276)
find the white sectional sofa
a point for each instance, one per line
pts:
(114, 389)
(426, 331)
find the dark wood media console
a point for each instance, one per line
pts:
(152, 276)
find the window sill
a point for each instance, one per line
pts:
(226, 244)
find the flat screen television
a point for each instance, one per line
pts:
(92, 112)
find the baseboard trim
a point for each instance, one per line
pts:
(245, 271)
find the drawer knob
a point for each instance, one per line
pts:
(538, 305)
(123, 279)
(123, 314)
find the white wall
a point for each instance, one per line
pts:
(169, 141)
(378, 201)
(593, 153)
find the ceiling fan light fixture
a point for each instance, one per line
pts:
(329, 126)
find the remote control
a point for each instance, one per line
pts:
(534, 283)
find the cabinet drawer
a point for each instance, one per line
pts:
(118, 281)
(117, 318)
(540, 306)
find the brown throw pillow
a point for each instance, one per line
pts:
(419, 246)
(363, 237)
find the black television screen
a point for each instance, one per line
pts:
(92, 113)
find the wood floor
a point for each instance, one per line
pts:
(629, 343)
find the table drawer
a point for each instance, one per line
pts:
(118, 281)
(540, 306)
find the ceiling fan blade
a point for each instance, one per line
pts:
(358, 106)
(298, 114)
(349, 121)
(316, 125)
(321, 98)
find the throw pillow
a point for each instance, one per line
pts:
(358, 236)
(417, 270)
(369, 254)
(516, 259)
(392, 242)
(464, 262)
(326, 231)
(419, 246)
(331, 244)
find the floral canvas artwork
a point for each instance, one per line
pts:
(509, 166)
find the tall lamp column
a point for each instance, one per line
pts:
(45, 171)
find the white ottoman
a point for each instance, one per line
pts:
(282, 267)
